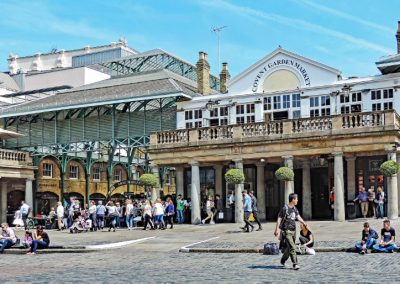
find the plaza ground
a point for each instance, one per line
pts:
(158, 260)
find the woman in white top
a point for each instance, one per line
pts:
(158, 212)
(60, 216)
(209, 210)
(92, 215)
(147, 215)
(112, 215)
(129, 214)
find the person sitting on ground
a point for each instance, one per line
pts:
(388, 235)
(27, 242)
(306, 237)
(41, 240)
(368, 239)
(7, 237)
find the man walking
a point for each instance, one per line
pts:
(180, 205)
(287, 224)
(24, 211)
(247, 211)
(362, 197)
(255, 209)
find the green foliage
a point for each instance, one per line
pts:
(234, 176)
(389, 168)
(284, 174)
(148, 180)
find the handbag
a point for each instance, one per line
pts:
(271, 249)
(220, 215)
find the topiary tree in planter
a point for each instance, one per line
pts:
(284, 174)
(389, 168)
(148, 181)
(234, 176)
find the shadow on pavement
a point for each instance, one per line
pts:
(266, 267)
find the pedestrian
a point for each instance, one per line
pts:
(24, 211)
(169, 213)
(219, 206)
(158, 213)
(388, 235)
(60, 216)
(100, 213)
(41, 240)
(147, 215)
(119, 214)
(362, 197)
(18, 219)
(231, 202)
(368, 239)
(112, 215)
(209, 211)
(371, 200)
(380, 201)
(7, 237)
(180, 206)
(92, 215)
(286, 225)
(255, 209)
(247, 210)
(129, 212)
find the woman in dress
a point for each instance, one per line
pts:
(18, 219)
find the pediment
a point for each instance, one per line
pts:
(282, 70)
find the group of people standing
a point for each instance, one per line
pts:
(371, 201)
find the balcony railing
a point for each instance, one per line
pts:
(332, 125)
(12, 157)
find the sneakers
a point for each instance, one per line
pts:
(362, 252)
(296, 267)
(212, 223)
(203, 221)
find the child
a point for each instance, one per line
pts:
(27, 239)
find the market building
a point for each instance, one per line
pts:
(287, 110)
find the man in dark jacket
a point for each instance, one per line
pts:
(368, 239)
(255, 209)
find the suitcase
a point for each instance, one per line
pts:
(271, 249)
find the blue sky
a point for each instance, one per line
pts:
(348, 35)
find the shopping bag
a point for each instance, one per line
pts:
(251, 217)
(220, 215)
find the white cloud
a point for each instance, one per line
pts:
(296, 23)
(346, 16)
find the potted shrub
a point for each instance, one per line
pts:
(234, 176)
(284, 174)
(389, 168)
(148, 180)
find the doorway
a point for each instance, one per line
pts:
(320, 193)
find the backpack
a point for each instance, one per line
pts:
(271, 249)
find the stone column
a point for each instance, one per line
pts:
(29, 195)
(195, 193)
(339, 187)
(179, 180)
(155, 191)
(392, 196)
(289, 185)
(398, 182)
(3, 203)
(238, 196)
(218, 181)
(307, 202)
(261, 190)
(351, 178)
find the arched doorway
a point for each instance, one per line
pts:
(14, 199)
(117, 197)
(96, 197)
(46, 201)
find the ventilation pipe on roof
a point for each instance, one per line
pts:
(398, 37)
(224, 78)
(203, 74)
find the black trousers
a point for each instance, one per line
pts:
(255, 215)
(169, 219)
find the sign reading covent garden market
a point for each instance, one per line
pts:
(293, 64)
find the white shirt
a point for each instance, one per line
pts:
(92, 209)
(147, 210)
(231, 199)
(158, 209)
(129, 209)
(24, 209)
(60, 211)
(111, 209)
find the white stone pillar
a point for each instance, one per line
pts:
(392, 196)
(218, 180)
(155, 191)
(179, 181)
(261, 190)
(238, 196)
(339, 187)
(195, 193)
(289, 185)
(29, 195)
(3, 203)
(307, 202)
(351, 178)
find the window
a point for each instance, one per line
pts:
(314, 101)
(198, 124)
(96, 173)
(189, 124)
(223, 121)
(388, 94)
(267, 103)
(223, 111)
(388, 105)
(193, 118)
(344, 99)
(117, 175)
(286, 101)
(198, 114)
(376, 107)
(314, 112)
(47, 170)
(277, 102)
(250, 108)
(240, 120)
(296, 100)
(345, 109)
(356, 97)
(296, 114)
(214, 112)
(240, 109)
(251, 118)
(325, 101)
(188, 115)
(73, 172)
(376, 95)
(325, 111)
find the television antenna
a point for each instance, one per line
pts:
(217, 31)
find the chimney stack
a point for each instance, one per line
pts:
(398, 37)
(203, 74)
(224, 78)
